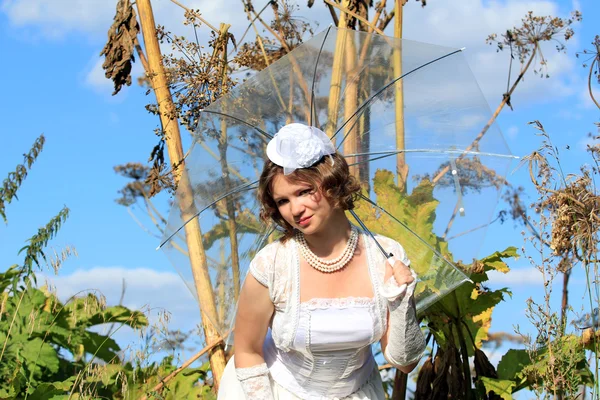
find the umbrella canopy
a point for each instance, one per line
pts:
(412, 123)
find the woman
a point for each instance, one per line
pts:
(324, 290)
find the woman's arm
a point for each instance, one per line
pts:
(254, 313)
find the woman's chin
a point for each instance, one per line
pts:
(311, 229)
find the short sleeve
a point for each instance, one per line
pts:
(261, 267)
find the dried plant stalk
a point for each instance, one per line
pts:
(401, 167)
(193, 232)
(351, 136)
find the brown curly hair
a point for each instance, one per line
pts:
(335, 182)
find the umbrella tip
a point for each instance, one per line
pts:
(463, 48)
(157, 248)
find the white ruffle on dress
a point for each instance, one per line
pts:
(319, 349)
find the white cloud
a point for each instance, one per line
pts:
(145, 288)
(55, 18)
(456, 24)
(95, 78)
(586, 141)
(468, 23)
(585, 101)
(521, 276)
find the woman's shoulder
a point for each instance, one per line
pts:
(271, 264)
(273, 250)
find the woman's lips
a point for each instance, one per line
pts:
(304, 221)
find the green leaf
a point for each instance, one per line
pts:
(501, 387)
(65, 385)
(101, 346)
(119, 314)
(45, 391)
(9, 390)
(481, 302)
(39, 357)
(512, 363)
(495, 260)
(245, 222)
(6, 278)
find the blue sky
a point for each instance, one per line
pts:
(52, 84)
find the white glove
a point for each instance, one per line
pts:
(406, 343)
(255, 382)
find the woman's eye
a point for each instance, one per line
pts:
(281, 202)
(307, 191)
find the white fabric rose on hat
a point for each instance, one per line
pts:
(298, 146)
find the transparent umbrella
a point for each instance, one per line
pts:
(413, 125)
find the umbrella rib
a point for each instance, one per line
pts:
(374, 96)
(312, 89)
(364, 227)
(413, 233)
(370, 160)
(267, 135)
(237, 190)
(469, 152)
(385, 154)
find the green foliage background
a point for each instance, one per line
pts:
(52, 350)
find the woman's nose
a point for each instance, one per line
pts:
(297, 207)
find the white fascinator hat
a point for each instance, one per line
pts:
(298, 146)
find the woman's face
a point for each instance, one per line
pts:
(299, 205)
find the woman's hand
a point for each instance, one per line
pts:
(402, 273)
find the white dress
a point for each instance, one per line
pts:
(320, 349)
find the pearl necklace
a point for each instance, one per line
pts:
(322, 264)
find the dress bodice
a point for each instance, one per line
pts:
(321, 349)
(331, 352)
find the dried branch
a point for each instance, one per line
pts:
(241, 39)
(595, 62)
(525, 42)
(186, 364)
(334, 17)
(505, 100)
(196, 15)
(388, 17)
(379, 9)
(259, 40)
(355, 15)
(591, 92)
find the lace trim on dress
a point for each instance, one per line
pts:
(251, 372)
(337, 302)
(374, 274)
